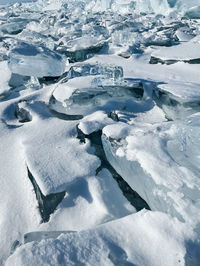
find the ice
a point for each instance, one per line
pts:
(193, 13)
(81, 48)
(168, 184)
(107, 71)
(15, 26)
(38, 236)
(187, 92)
(51, 163)
(29, 60)
(74, 74)
(186, 52)
(9, 2)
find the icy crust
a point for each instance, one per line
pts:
(161, 163)
(125, 241)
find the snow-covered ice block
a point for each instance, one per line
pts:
(56, 159)
(145, 238)
(185, 92)
(187, 52)
(193, 12)
(88, 202)
(161, 163)
(28, 60)
(94, 122)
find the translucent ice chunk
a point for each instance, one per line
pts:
(193, 13)
(79, 48)
(13, 27)
(40, 235)
(108, 71)
(30, 60)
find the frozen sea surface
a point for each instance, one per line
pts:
(99, 122)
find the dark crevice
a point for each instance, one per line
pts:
(156, 60)
(22, 114)
(96, 142)
(63, 116)
(47, 204)
(80, 55)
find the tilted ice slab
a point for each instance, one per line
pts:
(126, 241)
(160, 162)
(54, 158)
(89, 202)
(28, 60)
(178, 99)
(186, 92)
(184, 52)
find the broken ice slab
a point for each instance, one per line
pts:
(186, 92)
(50, 158)
(19, 82)
(178, 100)
(47, 204)
(160, 162)
(185, 52)
(193, 13)
(29, 60)
(79, 96)
(37, 39)
(41, 235)
(107, 71)
(184, 34)
(79, 49)
(14, 26)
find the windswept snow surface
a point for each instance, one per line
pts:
(99, 119)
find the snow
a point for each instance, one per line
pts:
(94, 122)
(160, 173)
(119, 242)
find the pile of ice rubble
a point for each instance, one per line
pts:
(100, 118)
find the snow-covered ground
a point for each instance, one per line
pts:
(100, 132)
